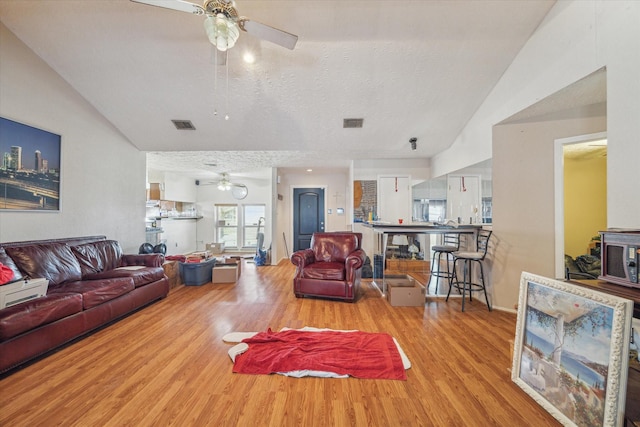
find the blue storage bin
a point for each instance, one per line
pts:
(196, 273)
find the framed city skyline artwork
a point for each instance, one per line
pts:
(29, 168)
(571, 350)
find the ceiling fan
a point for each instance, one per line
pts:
(222, 22)
(238, 191)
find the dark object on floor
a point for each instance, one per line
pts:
(145, 248)
(160, 248)
(367, 270)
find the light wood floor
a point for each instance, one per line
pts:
(167, 365)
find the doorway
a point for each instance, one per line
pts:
(579, 215)
(308, 215)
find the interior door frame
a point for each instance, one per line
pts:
(292, 208)
(558, 172)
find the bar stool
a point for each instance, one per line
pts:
(468, 259)
(450, 244)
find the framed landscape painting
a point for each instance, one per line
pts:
(571, 350)
(29, 168)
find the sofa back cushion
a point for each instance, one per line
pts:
(96, 257)
(334, 247)
(52, 261)
(6, 260)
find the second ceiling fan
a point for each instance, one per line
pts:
(238, 191)
(222, 22)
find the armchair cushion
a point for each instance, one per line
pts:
(334, 247)
(325, 271)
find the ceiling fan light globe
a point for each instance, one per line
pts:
(221, 31)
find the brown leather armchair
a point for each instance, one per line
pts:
(331, 267)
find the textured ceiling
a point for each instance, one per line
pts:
(409, 68)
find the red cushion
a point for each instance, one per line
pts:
(28, 315)
(324, 271)
(6, 260)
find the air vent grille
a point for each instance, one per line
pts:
(352, 123)
(183, 124)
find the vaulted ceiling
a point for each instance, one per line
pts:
(408, 68)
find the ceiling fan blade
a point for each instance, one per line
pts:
(265, 32)
(179, 5)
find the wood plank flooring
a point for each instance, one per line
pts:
(167, 365)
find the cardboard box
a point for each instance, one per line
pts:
(405, 291)
(225, 273)
(203, 255)
(215, 248)
(232, 260)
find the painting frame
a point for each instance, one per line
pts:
(30, 168)
(550, 372)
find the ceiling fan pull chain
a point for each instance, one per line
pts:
(226, 66)
(215, 83)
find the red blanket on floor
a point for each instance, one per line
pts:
(358, 354)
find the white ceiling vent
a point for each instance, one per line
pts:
(352, 123)
(183, 124)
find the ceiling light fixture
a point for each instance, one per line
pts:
(221, 31)
(224, 184)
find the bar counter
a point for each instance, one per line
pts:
(419, 230)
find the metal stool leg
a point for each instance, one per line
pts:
(435, 270)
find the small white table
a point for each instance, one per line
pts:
(21, 291)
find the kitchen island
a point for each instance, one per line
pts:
(397, 249)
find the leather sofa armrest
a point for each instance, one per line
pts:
(353, 263)
(147, 260)
(301, 259)
(355, 259)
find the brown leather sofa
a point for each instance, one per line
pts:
(91, 283)
(331, 267)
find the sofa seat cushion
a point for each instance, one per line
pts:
(141, 275)
(96, 292)
(37, 312)
(52, 261)
(324, 271)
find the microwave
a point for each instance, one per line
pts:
(620, 251)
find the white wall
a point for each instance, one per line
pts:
(419, 169)
(102, 174)
(575, 39)
(173, 186)
(523, 193)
